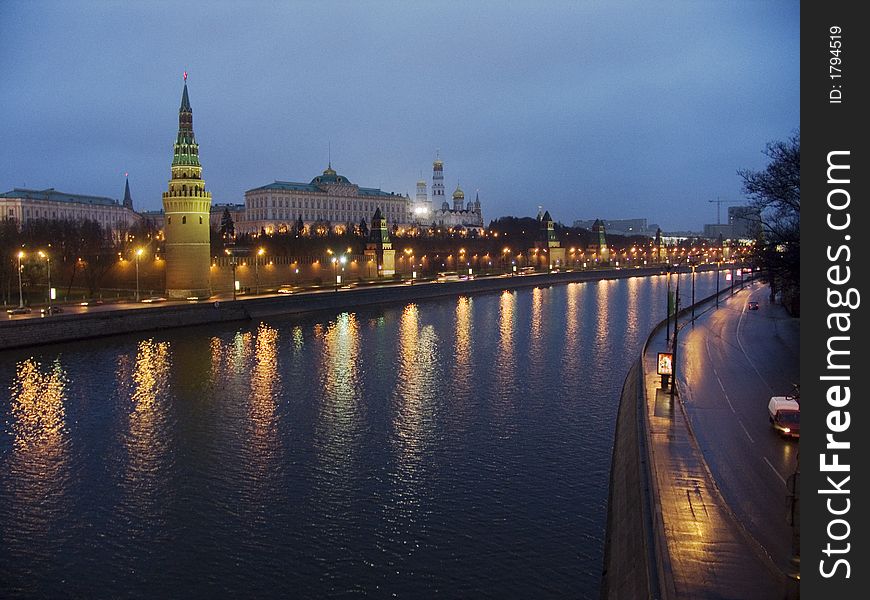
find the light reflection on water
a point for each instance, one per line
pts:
(338, 375)
(265, 379)
(146, 442)
(459, 446)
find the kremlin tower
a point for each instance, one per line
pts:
(187, 206)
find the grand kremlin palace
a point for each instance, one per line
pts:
(329, 198)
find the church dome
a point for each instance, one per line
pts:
(458, 194)
(330, 176)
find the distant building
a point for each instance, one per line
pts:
(745, 220)
(329, 199)
(438, 211)
(714, 231)
(379, 248)
(598, 245)
(237, 212)
(623, 227)
(467, 217)
(25, 205)
(156, 218)
(744, 223)
(548, 243)
(421, 208)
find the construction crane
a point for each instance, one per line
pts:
(718, 207)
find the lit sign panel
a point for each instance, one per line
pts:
(665, 363)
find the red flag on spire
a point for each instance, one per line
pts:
(185, 76)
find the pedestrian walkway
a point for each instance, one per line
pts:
(708, 554)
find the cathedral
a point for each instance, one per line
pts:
(438, 211)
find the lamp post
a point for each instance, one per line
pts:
(717, 284)
(260, 253)
(48, 262)
(335, 272)
(20, 289)
(693, 291)
(233, 265)
(674, 352)
(138, 254)
(668, 305)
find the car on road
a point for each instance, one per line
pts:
(444, 277)
(784, 413)
(753, 305)
(286, 289)
(91, 302)
(19, 310)
(51, 310)
(152, 299)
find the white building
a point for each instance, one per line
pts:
(25, 205)
(330, 199)
(438, 211)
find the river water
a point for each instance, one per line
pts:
(456, 447)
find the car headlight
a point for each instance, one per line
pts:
(786, 430)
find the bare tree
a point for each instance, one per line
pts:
(776, 193)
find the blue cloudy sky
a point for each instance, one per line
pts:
(591, 109)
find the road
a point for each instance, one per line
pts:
(74, 308)
(732, 360)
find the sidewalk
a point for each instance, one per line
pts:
(708, 555)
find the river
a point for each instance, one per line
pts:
(457, 447)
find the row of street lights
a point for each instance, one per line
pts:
(51, 292)
(731, 275)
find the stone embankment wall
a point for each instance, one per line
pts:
(16, 333)
(629, 555)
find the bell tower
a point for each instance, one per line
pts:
(187, 206)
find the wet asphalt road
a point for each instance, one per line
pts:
(733, 360)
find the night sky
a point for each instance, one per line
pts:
(590, 109)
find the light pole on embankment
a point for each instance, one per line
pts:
(260, 253)
(20, 288)
(138, 255)
(668, 306)
(676, 331)
(717, 284)
(47, 258)
(693, 291)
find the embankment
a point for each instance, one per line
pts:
(17, 333)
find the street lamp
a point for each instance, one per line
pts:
(676, 331)
(335, 272)
(48, 262)
(260, 253)
(20, 290)
(138, 254)
(233, 265)
(693, 291)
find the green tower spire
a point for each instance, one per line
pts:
(186, 148)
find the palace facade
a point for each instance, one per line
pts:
(24, 205)
(329, 200)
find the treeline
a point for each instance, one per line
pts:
(80, 252)
(776, 193)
